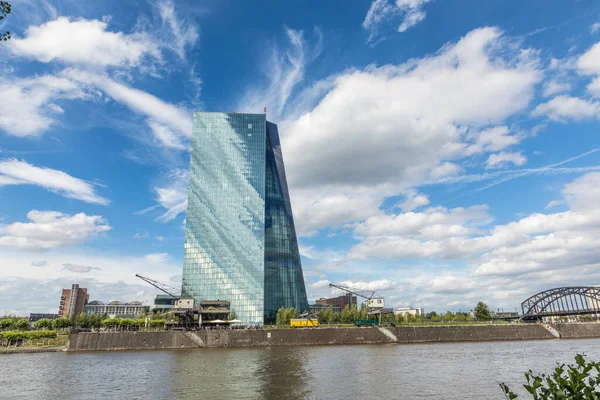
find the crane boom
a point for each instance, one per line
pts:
(369, 295)
(170, 290)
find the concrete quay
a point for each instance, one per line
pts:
(106, 341)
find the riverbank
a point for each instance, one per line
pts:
(20, 350)
(103, 341)
(107, 341)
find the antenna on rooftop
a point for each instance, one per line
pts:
(265, 109)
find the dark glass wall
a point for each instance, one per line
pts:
(284, 281)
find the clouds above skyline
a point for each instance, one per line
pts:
(421, 116)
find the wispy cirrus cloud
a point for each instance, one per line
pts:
(384, 11)
(285, 71)
(19, 172)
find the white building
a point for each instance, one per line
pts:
(115, 308)
(417, 312)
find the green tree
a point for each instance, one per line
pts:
(232, 315)
(346, 316)
(399, 318)
(280, 318)
(363, 312)
(459, 317)
(5, 9)
(579, 381)
(482, 312)
(43, 323)
(7, 322)
(22, 324)
(61, 323)
(354, 314)
(82, 321)
(290, 313)
(448, 316)
(436, 318)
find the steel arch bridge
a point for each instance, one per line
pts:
(571, 300)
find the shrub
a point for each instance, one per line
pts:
(30, 335)
(576, 381)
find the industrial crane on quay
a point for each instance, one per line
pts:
(375, 303)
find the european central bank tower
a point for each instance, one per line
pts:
(240, 239)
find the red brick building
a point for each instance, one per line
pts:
(72, 301)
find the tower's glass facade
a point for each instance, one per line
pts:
(240, 241)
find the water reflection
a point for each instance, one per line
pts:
(433, 371)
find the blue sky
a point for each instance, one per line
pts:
(441, 152)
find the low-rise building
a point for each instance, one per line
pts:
(116, 308)
(34, 317)
(163, 303)
(341, 301)
(315, 308)
(416, 311)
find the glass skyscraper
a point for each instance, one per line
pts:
(240, 239)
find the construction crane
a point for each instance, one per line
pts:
(184, 307)
(170, 290)
(375, 304)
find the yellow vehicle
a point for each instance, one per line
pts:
(304, 323)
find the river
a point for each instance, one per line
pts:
(429, 371)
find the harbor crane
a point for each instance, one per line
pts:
(375, 303)
(170, 290)
(184, 307)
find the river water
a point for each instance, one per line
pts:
(429, 371)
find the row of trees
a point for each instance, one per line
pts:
(13, 323)
(349, 315)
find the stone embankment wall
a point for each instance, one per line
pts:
(86, 341)
(578, 331)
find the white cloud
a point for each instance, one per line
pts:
(595, 27)
(80, 269)
(554, 87)
(420, 117)
(165, 136)
(38, 263)
(372, 286)
(491, 139)
(173, 197)
(433, 222)
(15, 172)
(413, 17)
(589, 62)
(554, 203)
(33, 107)
(537, 243)
(157, 258)
(25, 288)
(565, 107)
(414, 201)
(84, 41)
(141, 235)
(51, 229)
(503, 159)
(382, 11)
(166, 120)
(182, 33)
(285, 70)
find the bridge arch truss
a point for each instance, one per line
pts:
(570, 300)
